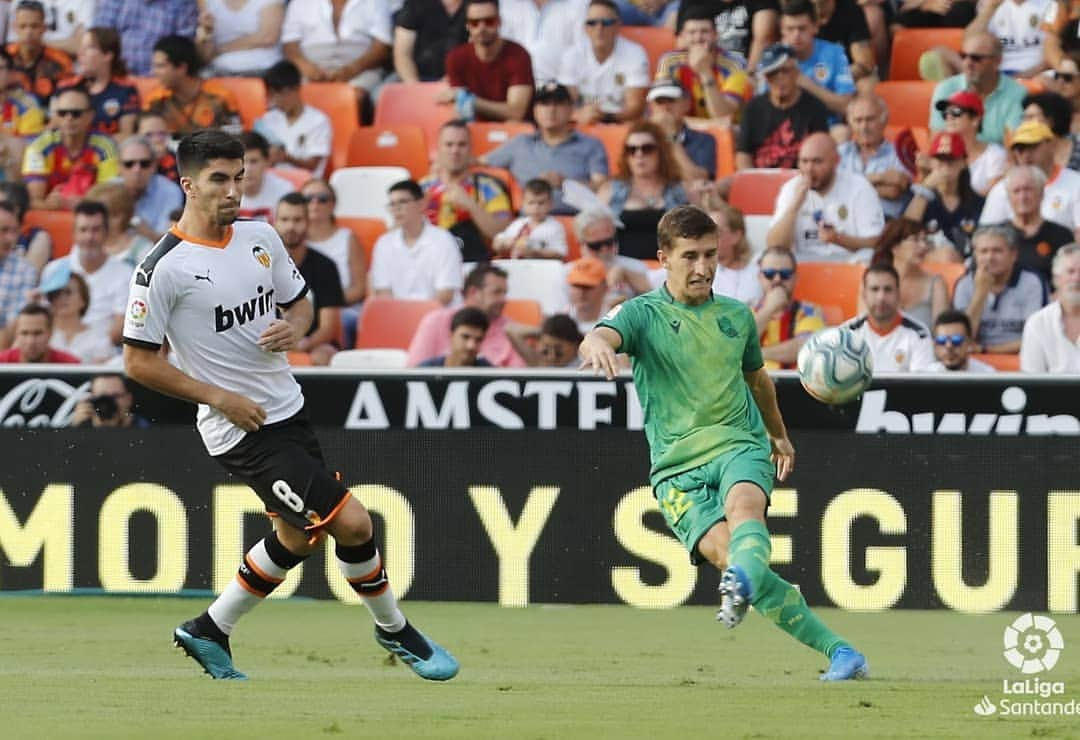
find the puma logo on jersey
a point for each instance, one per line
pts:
(260, 305)
(205, 277)
(676, 325)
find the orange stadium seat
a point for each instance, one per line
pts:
(366, 230)
(299, 359)
(656, 41)
(250, 93)
(390, 322)
(830, 284)
(414, 103)
(60, 225)
(908, 101)
(754, 191)
(523, 311)
(834, 315)
(612, 136)
(573, 248)
(488, 135)
(950, 271)
(1001, 363)
(397, 144)
(338, 101)
(908, 45)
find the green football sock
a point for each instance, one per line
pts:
(750, 549)
(782, 604)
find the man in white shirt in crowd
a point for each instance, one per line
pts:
(416, 260)
(897, 342)
(261, 189)
(300, 136)
(871, 155)
(107, 277)
(1016, 24)
(826, 214)
(1051, 339)
(546, 28)
(953, 345)
(607, 74)
(1032, 144)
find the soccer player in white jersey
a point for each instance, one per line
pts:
(213, 287)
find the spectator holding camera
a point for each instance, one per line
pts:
(109, 404)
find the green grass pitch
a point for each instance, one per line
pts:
(88, 667)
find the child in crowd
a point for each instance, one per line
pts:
(536, 235)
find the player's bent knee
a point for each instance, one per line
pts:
(352, 525)
(745, 501)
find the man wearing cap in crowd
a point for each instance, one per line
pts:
(826, 214)
(941, 202)
(695, 151)
(775, 123)
(587, 280)
(1002, 96)
(1033, 144)
(555, 152)
(963, 112)
(871, 155)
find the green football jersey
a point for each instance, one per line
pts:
(688, 371)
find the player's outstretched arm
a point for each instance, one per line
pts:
(149, 368)
(761, 386)
(597, 351)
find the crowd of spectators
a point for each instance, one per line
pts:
(965, 225)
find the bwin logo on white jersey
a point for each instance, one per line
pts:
(260, 305)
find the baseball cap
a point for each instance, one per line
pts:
(1031, 132)
(551, 92)
(587, 271)
(775, 57)
(664, 88)
(948, 144)
(965, 99)
(55, 277)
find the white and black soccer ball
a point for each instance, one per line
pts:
(835, 365)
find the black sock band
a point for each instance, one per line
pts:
(356, 553)
(279, 554)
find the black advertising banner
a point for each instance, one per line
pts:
(530, 489)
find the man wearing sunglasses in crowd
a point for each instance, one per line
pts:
(155, 196)
(60, 165)
(783, 323)
(953, 345)
(490, 77)
(1002, 96)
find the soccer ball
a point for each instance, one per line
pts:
(835, 365)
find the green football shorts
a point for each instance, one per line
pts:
(693, 501)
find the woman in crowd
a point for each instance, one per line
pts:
(240, 39)
(647, 186)
(336, 242)
(1055, 111)
(122, 239)
(944, 202)
(114, 98)
(986, 163)
(903, 245)
(35, 243)
(69, 303)
(737, 273)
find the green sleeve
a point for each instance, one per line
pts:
(623, 318)
(752, 361)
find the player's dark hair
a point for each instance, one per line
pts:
(469, 316)
(475, 279)
(538, 186)
(697, 12)
(282, 76)
(952, 316)
(407, 186)
(107, 40)
(1056, 108)
(196, 150)
(683, 222)
(881, 268)
(294, 199)
(92, 208)
(799, 7)
(561, 326)
(254, 140)
(180, 50)
(36, 309)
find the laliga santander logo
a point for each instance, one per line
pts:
(1033, 644)
(138, 310)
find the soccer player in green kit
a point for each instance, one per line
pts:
(715, 432)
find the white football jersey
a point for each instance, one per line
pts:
(213, 301)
